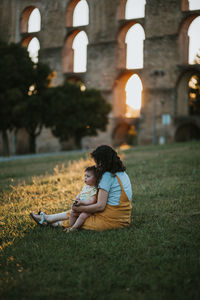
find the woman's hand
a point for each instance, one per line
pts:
(97, 207)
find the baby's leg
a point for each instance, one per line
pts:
(81, 219)
(73, 217)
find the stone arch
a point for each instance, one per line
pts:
(26, 43)
(121, 10)
(184, 5)
(187, 131)
(182, 105)
(68, 53)
(25, 18)
(70, 12)
(119, 94)
(121, 49)
(183, 41)
(79, 46)
(120, 132)
(135, 47)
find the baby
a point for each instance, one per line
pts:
(87, 196)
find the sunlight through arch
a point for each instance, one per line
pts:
(33, 49)
(194, 4)
(81, 14)
(79, 46)
(133, 90)
(135, 44)
(135, 9)
(194, 40)
(34, 21)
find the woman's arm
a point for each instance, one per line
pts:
(97, 207)
(90, 201)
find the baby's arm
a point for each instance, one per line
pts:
(92, 200)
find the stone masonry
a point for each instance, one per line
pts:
(165, 74)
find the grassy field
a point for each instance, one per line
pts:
(158, 257)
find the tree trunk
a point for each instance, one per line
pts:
(32, 144)
(78, 141)
(6, 151)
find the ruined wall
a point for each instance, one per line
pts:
(164, 46)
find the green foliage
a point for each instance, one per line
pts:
(15, 79)
(75, 113)
(156, 258)
(22, 86)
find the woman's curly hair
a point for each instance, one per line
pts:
(107, 160)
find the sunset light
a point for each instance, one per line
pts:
(194, 40)
(133, 96)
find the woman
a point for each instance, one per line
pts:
(113, 206)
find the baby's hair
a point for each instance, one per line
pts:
(93, 169)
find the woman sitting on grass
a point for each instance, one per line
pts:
(113, 206)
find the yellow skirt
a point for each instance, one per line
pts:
(112, 217)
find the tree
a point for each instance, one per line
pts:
(15, 79)
(76, 114)
(30, 113)
(22, 85)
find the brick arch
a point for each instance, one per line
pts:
(119, 94)
(121, 10)
(25, 17)
(68, 53)
(27, 40)
(121, 48)
(182, 106)
(183, 41)
(184, 5)
(70, 11)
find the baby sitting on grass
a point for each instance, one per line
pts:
(87, 196)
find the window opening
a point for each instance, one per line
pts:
(194, 4)
(79, 46)
(81, 14)
(194, 41)
(194, 95)
(135, 44)
(135, 9)
(133, 90)
(33, 49)
(34, 21)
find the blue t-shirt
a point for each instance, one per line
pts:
(110, 183)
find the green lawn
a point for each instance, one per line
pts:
(158, 257)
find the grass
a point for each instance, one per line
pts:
(158, 257)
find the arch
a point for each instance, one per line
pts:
(34, 21)
(74, 6)
(81, 14)
(121, 47)
(79, 46)
(120, 96)
(135, 9)
(194, 41)
(68, 54)
(135, 46)
(26, 20)
(182, 106)
(33, 49)
(133, 89)
(187, 5)
(183, 41)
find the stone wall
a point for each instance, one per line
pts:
(164, 48)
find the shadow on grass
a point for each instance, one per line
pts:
(156, 258)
